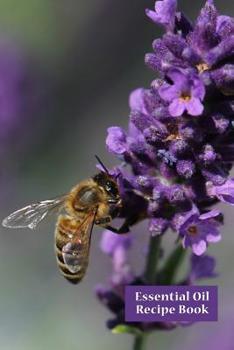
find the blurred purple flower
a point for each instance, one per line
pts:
(117, 247)
(14, 78)
(202, 267)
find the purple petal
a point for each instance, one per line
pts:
(136, 101)
(227, 199)
(180, 220)
(211, 214)
(178, 78)
(213, 238)
(199, 248)
(198, 89)
(152, 15)
(169, 92)
(116, 140)
(176, 108)
(210, 232)
(194, 107)
(224, 193)
(164, 13)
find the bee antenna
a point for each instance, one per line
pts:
(102, 165)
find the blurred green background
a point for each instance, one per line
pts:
(83, 58)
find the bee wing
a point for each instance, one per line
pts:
(31, 215)
(76, 252)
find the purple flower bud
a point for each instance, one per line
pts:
(208, 155)
(164, 13)
(140, 120)
(175, 194)
(176, 44)
(116, 140)
(185, 168)
(152, 61)
(155, 133)
(204, 35)
(179, 147)
(221, 123)
(224, 79)
(225, 26)
(189, 131)
(136, 101)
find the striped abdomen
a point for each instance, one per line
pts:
(72, 247)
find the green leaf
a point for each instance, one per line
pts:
(123, 328)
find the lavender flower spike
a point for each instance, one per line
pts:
(177, 153)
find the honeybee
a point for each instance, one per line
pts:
(93, 201)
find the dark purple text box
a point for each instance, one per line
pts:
(171, 303)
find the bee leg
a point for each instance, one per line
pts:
(121, 230)
(103, 221)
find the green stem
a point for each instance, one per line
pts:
(172, 265)
(152, 259)
(150, 278)
(139, 342)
